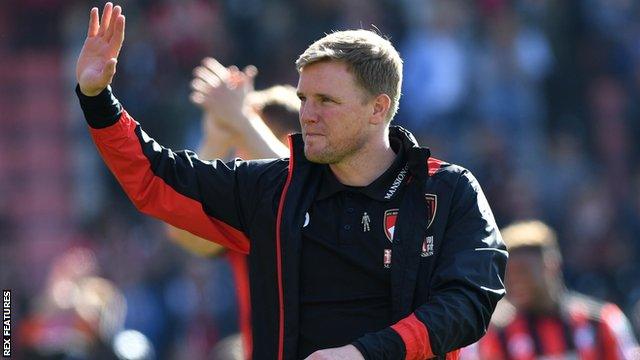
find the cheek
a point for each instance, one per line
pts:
(345, 122)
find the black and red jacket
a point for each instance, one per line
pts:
(440, 302)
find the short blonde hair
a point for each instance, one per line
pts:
(372, 59)
(531, 234)
(283, 95)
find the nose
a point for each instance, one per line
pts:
(308, 113)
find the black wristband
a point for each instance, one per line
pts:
(100, 111)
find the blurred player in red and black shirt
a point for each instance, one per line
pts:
(540, 318)
(238, 121)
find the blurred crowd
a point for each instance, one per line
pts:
(538, 98)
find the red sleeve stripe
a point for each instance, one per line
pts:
(415, 336)
(241, 275)
(121, 150)
(453, 355)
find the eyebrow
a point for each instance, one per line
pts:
(318, 95)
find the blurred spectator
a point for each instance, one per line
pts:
(437, 64)
(77, 315)
(540, 318)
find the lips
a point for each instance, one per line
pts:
(311, 135)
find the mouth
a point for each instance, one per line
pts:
(311, 134)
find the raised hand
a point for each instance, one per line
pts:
(222, 92)
(99, 56)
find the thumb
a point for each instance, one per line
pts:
(251, 72)
(109, 70)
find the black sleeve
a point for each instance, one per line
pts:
(100, 111)
(466, 285)
(468, 279)
(211, 199)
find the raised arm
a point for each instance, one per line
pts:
(222, 93)
(176, 187)
(227, 129)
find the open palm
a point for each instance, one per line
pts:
(97, 61)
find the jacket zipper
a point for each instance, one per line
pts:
(279, 254)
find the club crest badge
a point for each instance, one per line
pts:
(432, 206)
(390, 217)
(427, 247)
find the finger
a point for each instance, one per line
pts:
(251, 71)
(106, 18)
(236, 78)
(200, 85)
(204, 74)
(117, 10)
(207, 75)
(216, 68)
(93, 23)
(118, 35)
(197, 98)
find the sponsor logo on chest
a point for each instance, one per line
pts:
(396, 183)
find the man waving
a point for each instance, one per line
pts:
(360, 244)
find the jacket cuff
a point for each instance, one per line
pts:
(415, 337)
(384, 344)
(100, 111)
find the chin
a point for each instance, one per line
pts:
(315, 158)
(318, 157)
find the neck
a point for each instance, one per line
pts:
(366, 165)
(543, 307)
(547, 301)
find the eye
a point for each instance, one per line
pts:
(302, 98)
(325, 99)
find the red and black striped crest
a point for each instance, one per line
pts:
(390, 217)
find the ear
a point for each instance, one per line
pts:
(381, 105)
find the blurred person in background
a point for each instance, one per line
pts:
(331, 300)
(231, 110)
(540, 317)
(77, 315)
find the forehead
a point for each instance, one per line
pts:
(326, 77)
